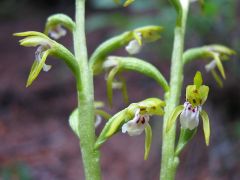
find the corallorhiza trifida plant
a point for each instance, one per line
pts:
(135, 118)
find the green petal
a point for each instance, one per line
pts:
(124, 89)
(206, 126)
(31, 33)
(221, 49)
(36, 68)
(217, 78)
(150, 33)
(98, 104)
(33, 41)
(117, 1)
(198, 79)
(128, 2)
(148, 140)
(138, 38)
(110, 79)
(102, 113)
(219, 65)
(173, 117)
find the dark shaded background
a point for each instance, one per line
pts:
(35, 139)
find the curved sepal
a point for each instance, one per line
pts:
(206, 126)
(185, 136)
(126, 2)
(219, 64)
(46, 47)
(110, 79)
(148, 34)
(36, 68)
(148, 141)
(124, 90)
(217, 78)
(151, 106)
(141, 66)
(173, 117)
(216, 52)
(103, 114)
(56, 20)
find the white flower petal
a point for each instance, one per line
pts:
(189, 117)
(210, 66)
(57, 32)
(137, 125)
(98, 121)
(133, 47)
(46, 67)
(39, 53)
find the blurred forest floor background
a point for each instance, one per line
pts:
(36, 141)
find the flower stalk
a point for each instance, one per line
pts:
(169, 161)
(86, 116)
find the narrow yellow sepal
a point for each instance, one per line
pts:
(206, 126)
(148, 141)
(173, 117)
(36, 68)
(128, 2)
(198, 79)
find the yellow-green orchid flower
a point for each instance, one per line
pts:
(196, 96)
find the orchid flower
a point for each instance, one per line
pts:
(196, 95)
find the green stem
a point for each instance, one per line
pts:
(85, 99)
(169, 162)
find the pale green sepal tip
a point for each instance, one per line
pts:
(36, 68)
(150, 33)
(173, 117)
(217, 78)
(128, 2)
(98, 104)
(124, 90)
(198, 79)
(110, 79)
(148, 141)
(136, 36)
(206, 126)
(117, 1)
(30, 33)
(221, 49)
(73, 121)
(33, 41)
(220, 66)
(102, 113)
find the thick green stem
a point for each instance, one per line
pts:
(85, 99)
(169, 162)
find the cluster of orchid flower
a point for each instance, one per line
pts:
(135, 118)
